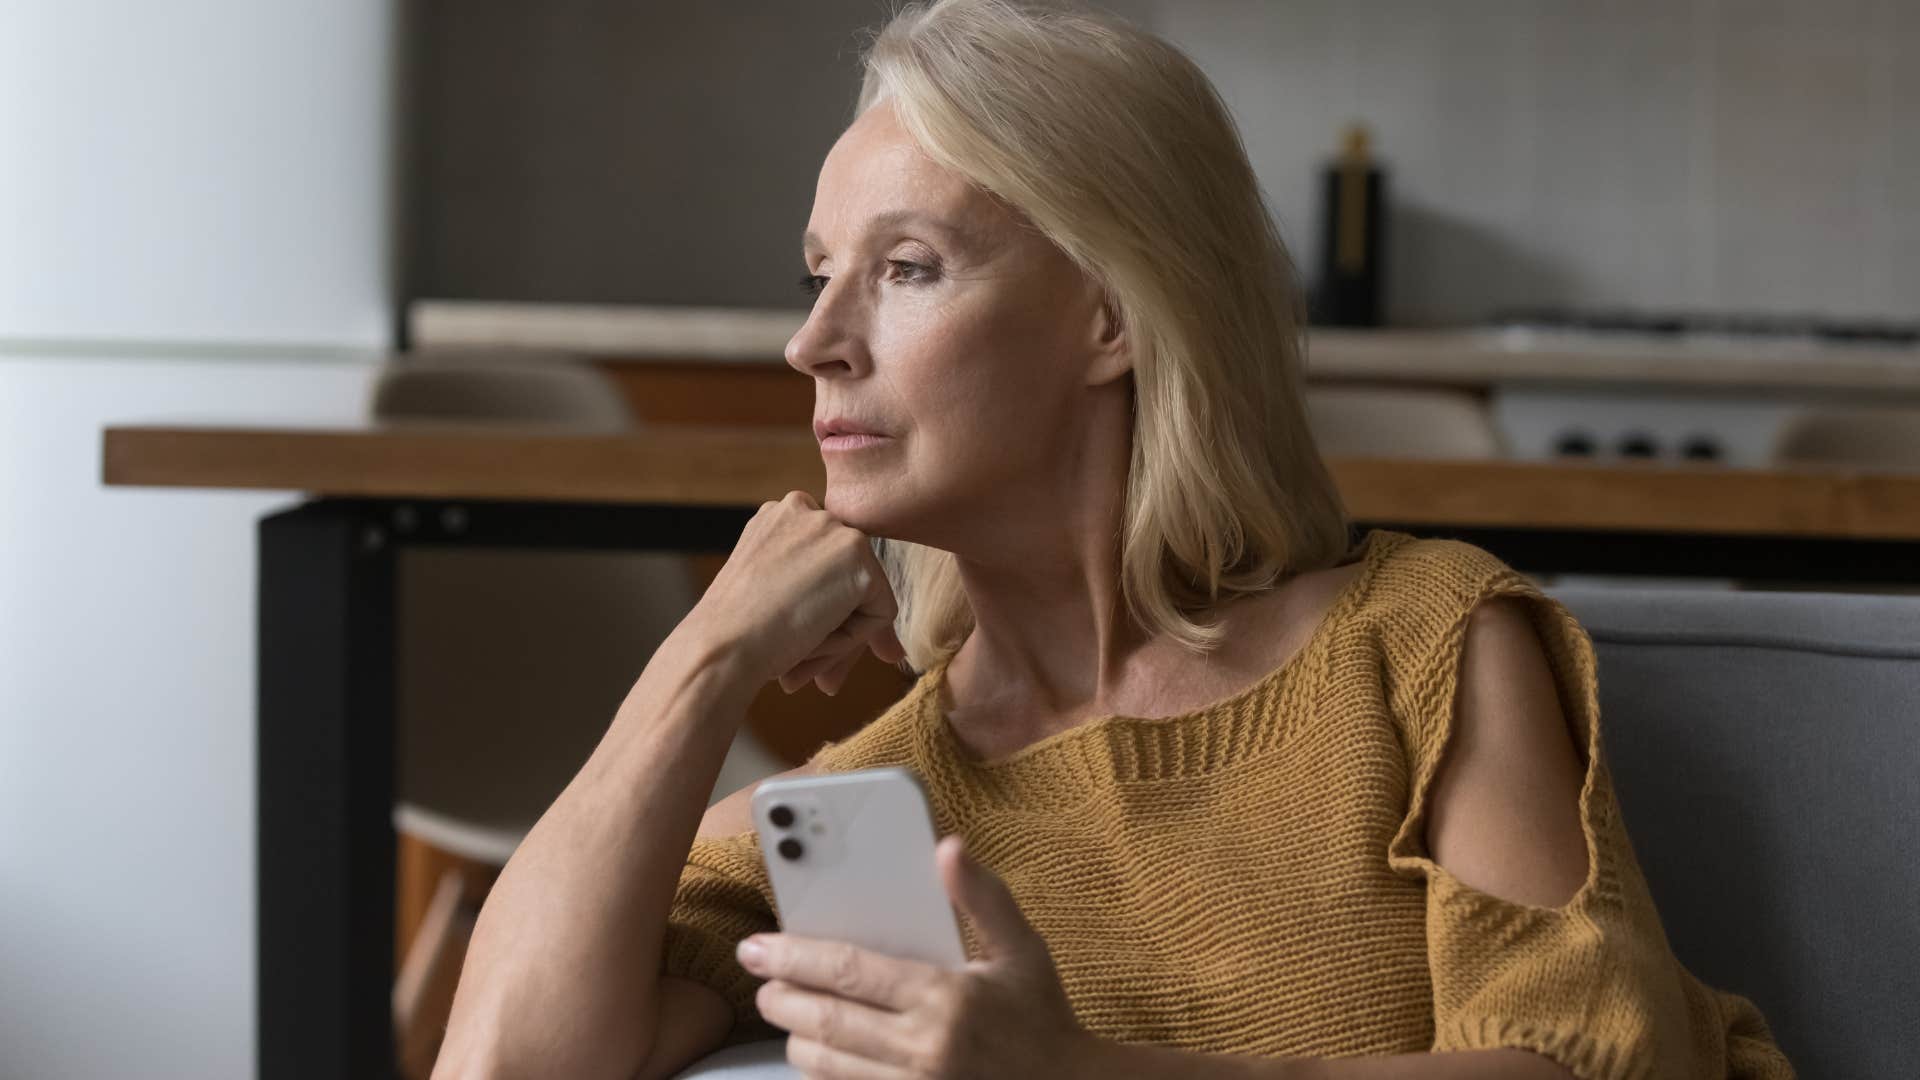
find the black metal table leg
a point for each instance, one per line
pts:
(325, 773)
(325, 729)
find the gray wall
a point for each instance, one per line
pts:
(605, 152)
(1695, 154)
(1702, 154)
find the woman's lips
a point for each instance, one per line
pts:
(852, 442)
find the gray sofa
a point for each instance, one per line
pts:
(1766, 747)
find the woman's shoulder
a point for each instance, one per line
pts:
(1422, 591)
(1429, 564)
(1416, 576)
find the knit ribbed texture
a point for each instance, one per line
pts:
(1252, 877)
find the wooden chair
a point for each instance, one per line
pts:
(1390, 422)
(511, 666)
(1874, 437)
(1870, 437)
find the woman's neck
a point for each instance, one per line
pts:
(998, 698)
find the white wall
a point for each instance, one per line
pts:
(126, 721)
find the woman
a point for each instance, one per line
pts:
(1238, 799)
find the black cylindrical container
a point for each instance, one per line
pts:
(1353, 241)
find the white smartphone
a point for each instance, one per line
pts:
(850, 856)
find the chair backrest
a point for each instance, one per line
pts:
(1351, 421)
(504, 386)
(1766, 748)
(1883, 437)
(515, 661)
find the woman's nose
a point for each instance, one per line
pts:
(829, 342)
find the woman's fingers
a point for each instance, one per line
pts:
(829, 671)
(834, 644)
(886, 645)
(802, 673)
(869, 626)
(832, 679)
(833, 660)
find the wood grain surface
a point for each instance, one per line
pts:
(744, 466)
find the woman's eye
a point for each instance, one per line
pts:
(911, 271)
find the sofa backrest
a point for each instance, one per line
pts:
(1766, 749)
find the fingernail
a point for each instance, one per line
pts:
(750, 952)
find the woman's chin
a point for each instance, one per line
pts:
(859, 506)
(850, 510)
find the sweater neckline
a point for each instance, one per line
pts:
(1045, 759)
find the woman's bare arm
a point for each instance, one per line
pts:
(562, 976)
(692, 1019)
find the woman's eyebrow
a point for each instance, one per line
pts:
(893, 219)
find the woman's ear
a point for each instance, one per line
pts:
(1111, 358)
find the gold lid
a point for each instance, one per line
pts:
(1354, 145)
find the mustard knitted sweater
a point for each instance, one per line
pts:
(1252, 878)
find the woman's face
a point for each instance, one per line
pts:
(950, 327)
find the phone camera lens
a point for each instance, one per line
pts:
(790, 849)
(781, 816)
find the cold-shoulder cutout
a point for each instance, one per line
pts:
(1504, 804)
(1588, 981)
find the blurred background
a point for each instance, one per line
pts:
(1670, 230)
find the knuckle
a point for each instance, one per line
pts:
(830, 1023)
(939, 1052)
(844, 971)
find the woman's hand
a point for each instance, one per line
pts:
(863, 1016)
(801, 598)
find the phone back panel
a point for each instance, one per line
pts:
(864, 872)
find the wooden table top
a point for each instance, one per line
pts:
(713, 466)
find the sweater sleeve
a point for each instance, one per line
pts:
(1591, 984)
(723, 896)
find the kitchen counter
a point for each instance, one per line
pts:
(1471, 358)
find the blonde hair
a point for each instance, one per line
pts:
(1115, 146)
